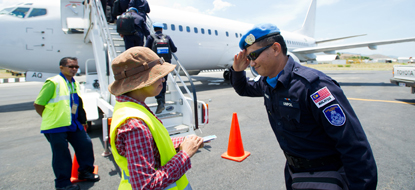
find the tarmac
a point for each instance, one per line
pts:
(386, 112)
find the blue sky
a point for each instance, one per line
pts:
(380, 20)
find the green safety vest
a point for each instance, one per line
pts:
(126, 110)
(57, 112)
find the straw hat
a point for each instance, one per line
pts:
(136, 68)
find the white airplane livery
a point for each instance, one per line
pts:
(37, 34)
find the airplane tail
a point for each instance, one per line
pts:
(308, 27)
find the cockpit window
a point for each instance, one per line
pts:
(37, 12)
(6, 10)
(19, 12)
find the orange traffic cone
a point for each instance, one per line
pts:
(74, 173)
(235, 147)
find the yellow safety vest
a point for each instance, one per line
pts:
(57, 112)
(126, 110)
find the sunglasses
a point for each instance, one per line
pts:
(255, 54)
(73, 67)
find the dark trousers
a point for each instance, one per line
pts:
(133, 40)
(163, 91)
(287, 175)
(61, 156)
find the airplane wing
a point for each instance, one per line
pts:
(335, 39)
(331, 49)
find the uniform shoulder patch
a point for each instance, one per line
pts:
(335, 115)
(322, 97)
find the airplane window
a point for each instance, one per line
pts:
(181, 28)
(202, 31)
(236, 34)
(240, 35)
(165, 26)
(173, 27)
(187, 28)
(216, 32)
(195, 30)
(37, 12)
(227, 34)
(209, 32)
(20, 12)
(6, 10)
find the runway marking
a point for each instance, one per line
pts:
(388, 101)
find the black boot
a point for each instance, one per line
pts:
(160, 106)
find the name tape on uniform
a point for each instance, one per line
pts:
(322, 97)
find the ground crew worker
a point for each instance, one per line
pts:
(141, 145)
(63, 120)
(141, 30)
(158, 28)
(311, 117)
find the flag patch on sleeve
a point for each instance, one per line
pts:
(322, 97)
(335, 115)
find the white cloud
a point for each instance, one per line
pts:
(185, 8)
(219, 5)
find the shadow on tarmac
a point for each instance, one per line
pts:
(17, 107)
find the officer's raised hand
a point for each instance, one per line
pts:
(240, 62)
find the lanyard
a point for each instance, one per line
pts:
(71, 88)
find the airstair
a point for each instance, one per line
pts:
(183, 113)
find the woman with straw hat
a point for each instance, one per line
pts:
(141, 145)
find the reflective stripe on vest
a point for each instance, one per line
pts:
(126, 110)
(57, 112)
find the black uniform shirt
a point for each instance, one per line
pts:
(312, 118)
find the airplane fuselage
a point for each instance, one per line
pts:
(38, 43)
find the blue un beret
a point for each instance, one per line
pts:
(132, 9)
(158, 25)
(257, 33)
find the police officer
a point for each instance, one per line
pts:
(311, 117)
(63, 121)
(158, 28)
(141, 30)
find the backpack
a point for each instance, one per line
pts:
(125, 24)
(161, 46)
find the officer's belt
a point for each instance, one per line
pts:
(303, 163)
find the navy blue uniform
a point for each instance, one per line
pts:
(142, 7)
(124, 5)
(138, 38)
(173, 48)
(311, 128)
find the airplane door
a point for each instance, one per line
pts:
(39, 39)
(72, 13)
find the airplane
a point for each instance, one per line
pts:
(37, 34)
